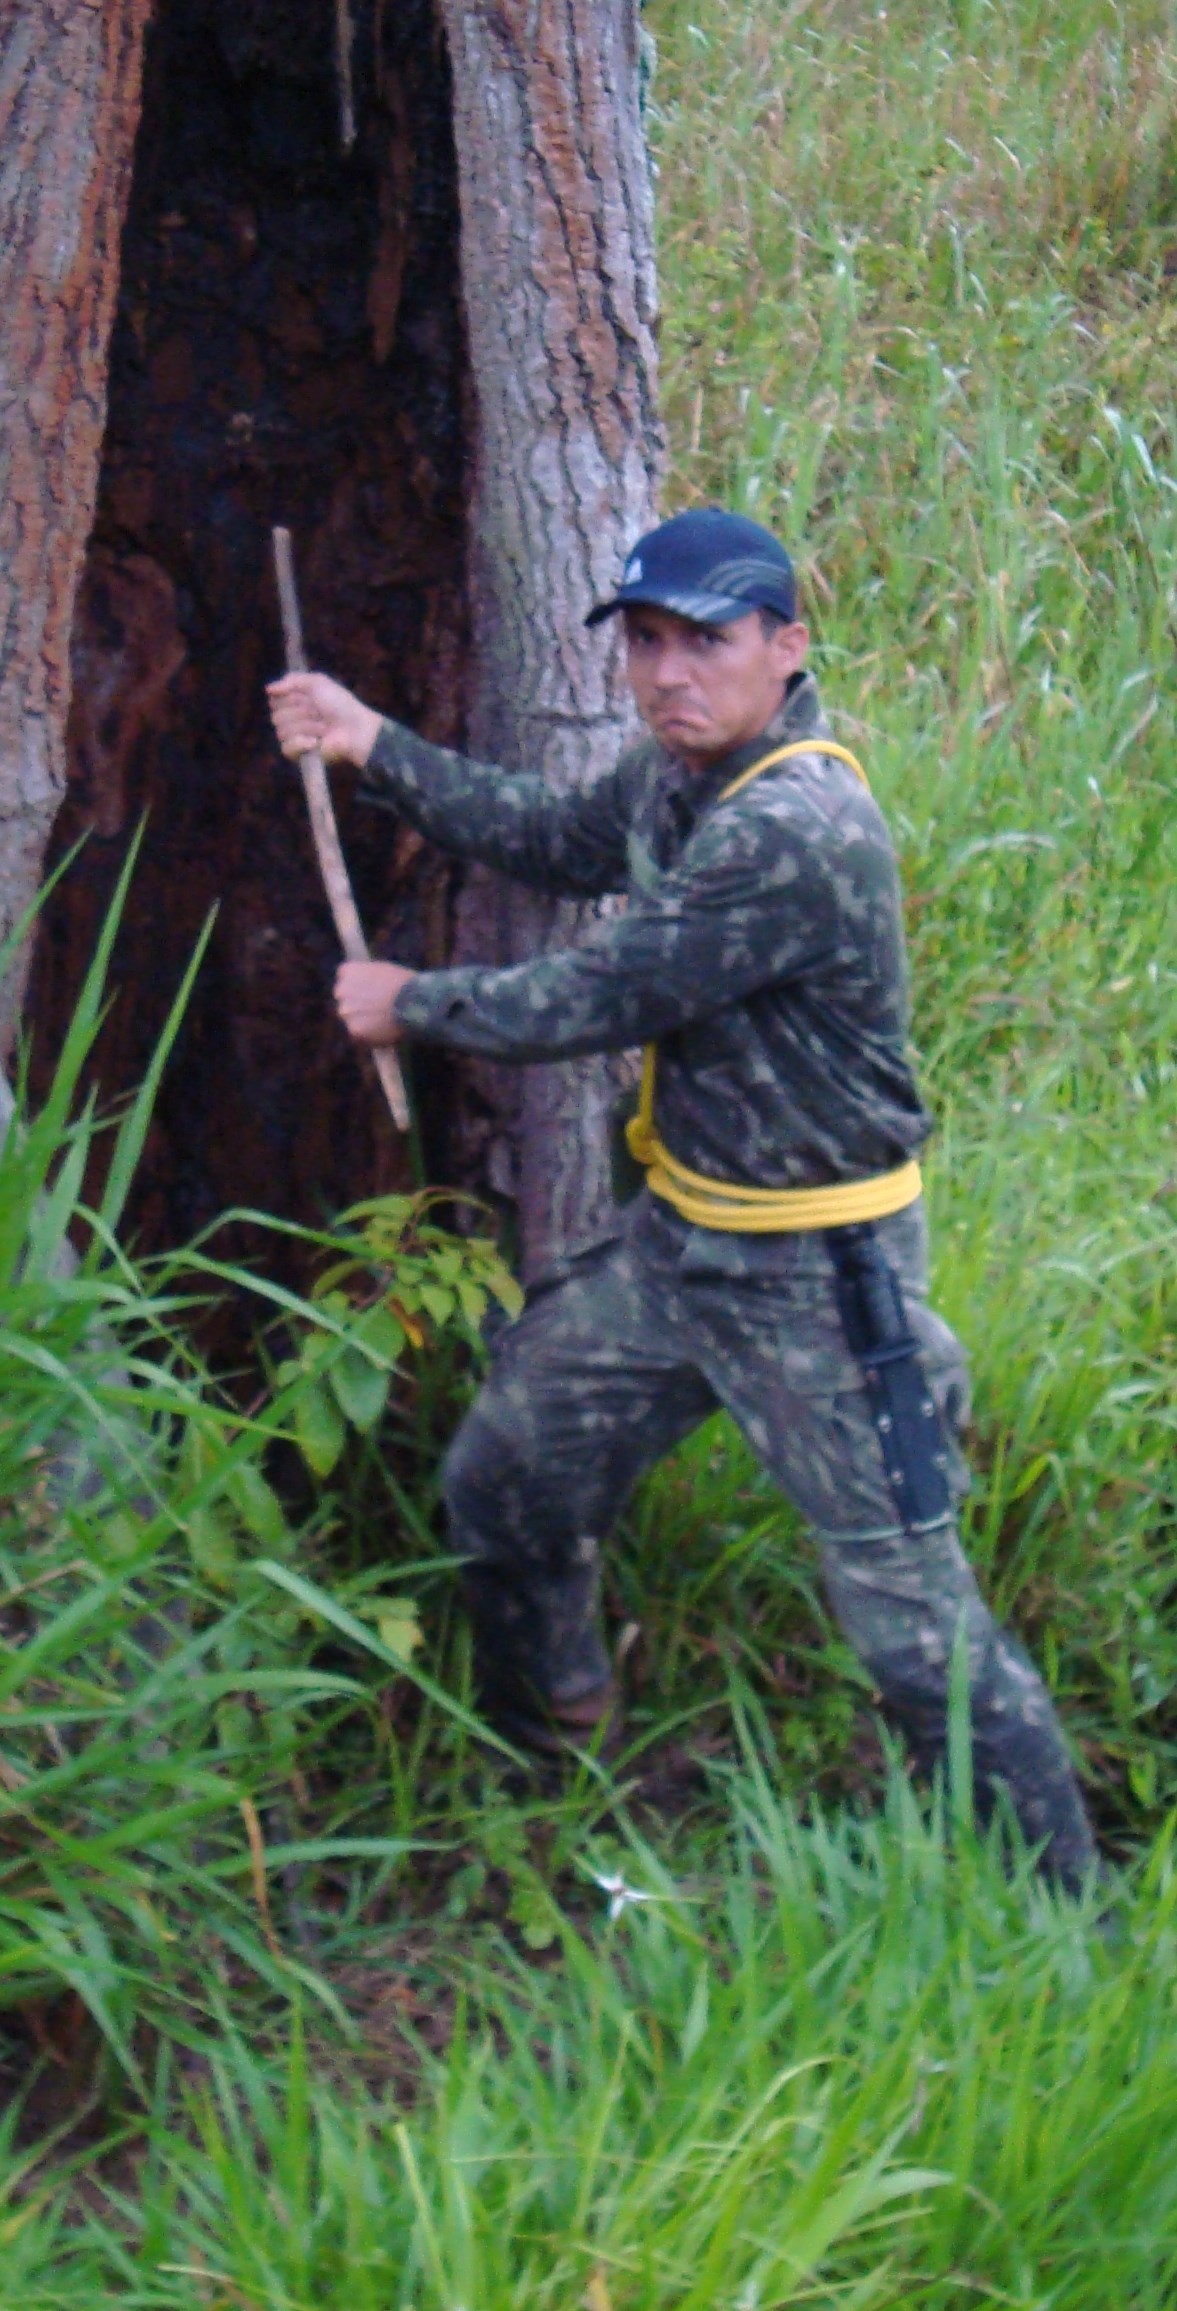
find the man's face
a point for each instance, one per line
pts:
(704, 690)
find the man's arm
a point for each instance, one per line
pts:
(573, 844)
(513, 820)
(752, 902)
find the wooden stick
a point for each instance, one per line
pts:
(344, 34)
(324, 829)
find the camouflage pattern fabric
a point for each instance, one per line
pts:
(762, 946)
(762, 949)
(617, 1356)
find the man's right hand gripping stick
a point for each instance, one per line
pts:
(326, 833)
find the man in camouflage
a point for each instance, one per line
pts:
(761, 952)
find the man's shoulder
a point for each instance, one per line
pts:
(814, 790)
(811, 819)
(816, 779)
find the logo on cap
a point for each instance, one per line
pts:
(633, 570)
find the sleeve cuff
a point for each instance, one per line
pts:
(431, 998)
(380, 778)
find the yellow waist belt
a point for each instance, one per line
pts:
(726, 1204)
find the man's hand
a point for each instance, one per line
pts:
(311, 712)
(364, 997)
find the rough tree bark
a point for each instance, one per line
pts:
(558, 284)
(70, 73)
(288, 345)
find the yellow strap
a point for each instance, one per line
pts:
(782, 753)
(725, 1204)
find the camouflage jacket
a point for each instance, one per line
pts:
(761, 947)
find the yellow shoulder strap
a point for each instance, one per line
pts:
(730, 1206)
(798, 746)
(641, 1133)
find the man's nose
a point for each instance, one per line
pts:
(671, 670)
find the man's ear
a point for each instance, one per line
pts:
(789, 646)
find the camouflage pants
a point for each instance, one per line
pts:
(618, 1356)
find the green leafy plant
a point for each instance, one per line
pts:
(161, 1695)
(394, 1277)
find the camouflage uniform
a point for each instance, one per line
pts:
(762, 949)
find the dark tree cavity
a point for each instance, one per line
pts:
(288, 346)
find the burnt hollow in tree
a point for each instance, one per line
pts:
(288, 348)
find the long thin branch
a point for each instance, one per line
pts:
(326, 834)
(344, 34)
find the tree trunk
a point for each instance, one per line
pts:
(69, 103)
(558, 285)
(288, 345)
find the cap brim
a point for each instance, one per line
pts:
(700, 609)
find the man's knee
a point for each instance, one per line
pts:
(479, 1479)
(906, 1602)
(508, 1502)
(530, 1575)
(907, 1605)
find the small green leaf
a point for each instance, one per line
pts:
(507, 1292)
(195, 1455)
(379, 1331)
(361, 1388)
(465, 1888)
(317, 1349)
(212, 1546)
(438, 1304)
(532, 1909)
(118, 1540)
(473, 1301)
(319, 1426)
(399, 1628)
(257, 1504)
(503, 1839)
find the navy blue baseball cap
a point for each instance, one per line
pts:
(708, 566)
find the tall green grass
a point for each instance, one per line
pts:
(171, 1672)
(918, 269)
(833, 2068)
